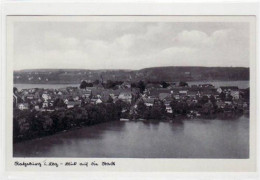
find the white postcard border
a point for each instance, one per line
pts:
(137, 164)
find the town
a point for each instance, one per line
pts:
(39, 112)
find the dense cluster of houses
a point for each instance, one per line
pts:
(226, 97)
(70, 97)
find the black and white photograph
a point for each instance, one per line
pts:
(131, 89)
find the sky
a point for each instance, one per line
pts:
(129, 45)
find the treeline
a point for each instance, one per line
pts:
(205, 106)
(154, 74)
(196, 73)
(30, 124)
(155, 112)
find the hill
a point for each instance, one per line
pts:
(170, 73)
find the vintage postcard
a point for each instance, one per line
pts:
(131, 93)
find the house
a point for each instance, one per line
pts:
(45, 104)
(32, 90)
(228, 102)
(154, 93)
(17, 99)
(75, 97)
(238, 103)
(86, 100)
(167, 101)
(45, 96)
(36, 96)
(183, 93)
(149, 101)
(245, 105)
(220, 104)
(126, 85)
(195, 87)
(206, 86)
(95, 91)
(209, 92)
(24, 92)
(172, 85)
(163, 96)
(153, 86)
(98, 101)
(176, 96)
(233, 90)
(66, 101)
(169, 109)
(93, 100)
(34, 101)
(23, 106)
(72, 104)
(85, 93)
(126, 97)
(30, 96)
(227, 88)
(37, 107)
(235, 94)
(193, 94)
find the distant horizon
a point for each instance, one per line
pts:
(130, 69)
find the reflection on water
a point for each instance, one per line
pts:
(190, 138)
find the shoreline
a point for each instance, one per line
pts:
(177, 119)
(70, 83)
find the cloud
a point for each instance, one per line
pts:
(199, 38)
(192, 37)
(54, 40)
(130, 45)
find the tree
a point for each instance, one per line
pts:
(141, 108)
(120, 105)
(213, 99)
(246, 94)
(229, 97)
(89, 84)
(59, 103)
(165, 84)
(83, 85)
(158, 110)
(222, 96)
(204, 99)
(133, 85)
(155, 113)
(207, 108)
(141, 86)
(179, 107)
(110, 99)
(96, 82)
(110, 84)
(15, 90)
(183, 84)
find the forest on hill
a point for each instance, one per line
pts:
(171, 73)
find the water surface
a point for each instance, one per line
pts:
(197, 138)
(239, 84)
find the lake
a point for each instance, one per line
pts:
(240, 84)
(190, 138)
